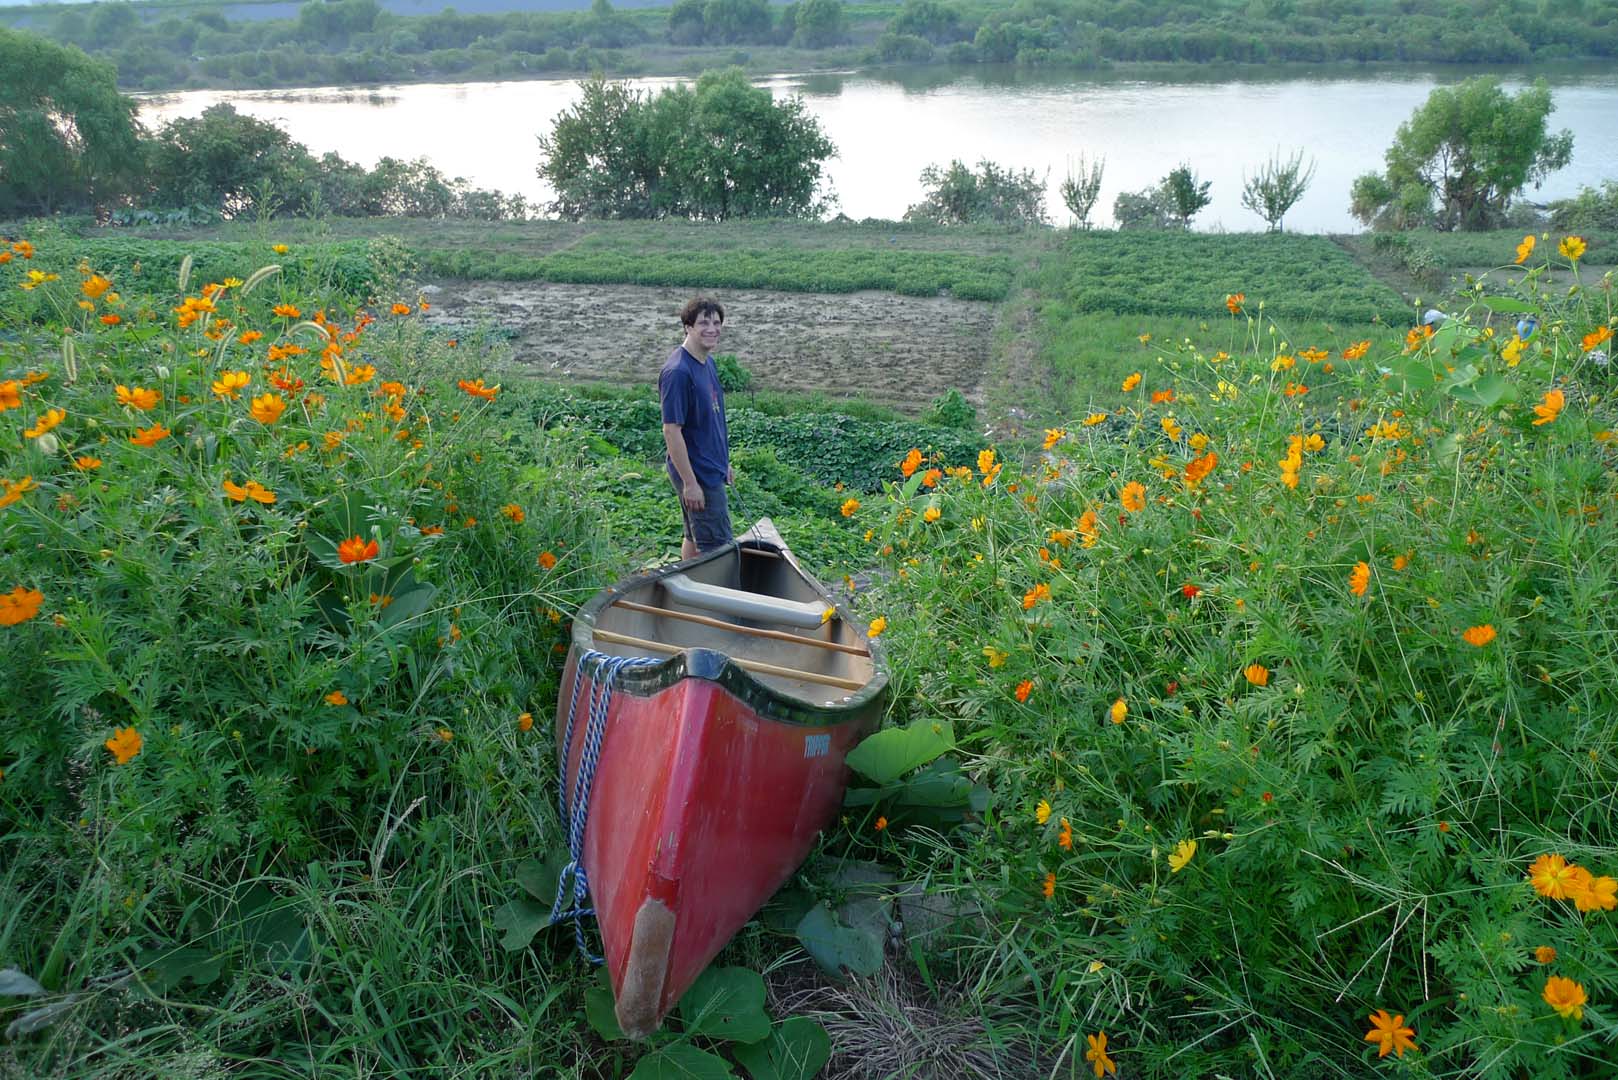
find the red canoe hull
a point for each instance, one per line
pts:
(704, 807)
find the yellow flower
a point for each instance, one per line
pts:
(849, 507)
(268, 408)
(279, 249)
(230, 383)
(445, 734)
(997, 657)
(44, 423)
(1359, 579)
(15, 489)
(1171, 428)
(878, 624)
(1282, 363)
(1119, 710)
(1572, 248)
(1096, 1055)
(1095, 418)
(1054, 436)
(1181, 856)
(1564, 995)
(1131, 382)
(1524, 249)
(1390, 1033)
(1548, 409)
(525, 722)
(1042, 812)
(1596, 893)
(931, 514)
(124, 744)
(986, 461)
(1552, 876)
(95, 286)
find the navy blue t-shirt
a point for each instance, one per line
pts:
(692, 398)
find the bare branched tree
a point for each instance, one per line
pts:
(1276, 187)
(1081, 188)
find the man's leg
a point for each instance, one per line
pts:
(710, 527)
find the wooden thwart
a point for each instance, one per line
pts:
(758, 666)
(774, 635)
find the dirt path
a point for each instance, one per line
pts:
(901, 351)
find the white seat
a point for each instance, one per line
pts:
(746, 605)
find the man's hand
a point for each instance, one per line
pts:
(730, 475)
(692, 498)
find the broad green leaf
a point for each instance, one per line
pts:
(796, 1050)
(1509, 306)
(890, 754)
(726, 1003)
(600, 1012)
(519, 921)
(1489, 391)
(41, 1018)
(165, 969)
(682, 1061)
(837, 947)
(407, 606)
(539, 877)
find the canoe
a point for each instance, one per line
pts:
(704, 715)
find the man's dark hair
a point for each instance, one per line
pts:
(700, 305)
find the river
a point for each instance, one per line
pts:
(889, 125)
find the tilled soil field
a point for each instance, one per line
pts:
(901, 351)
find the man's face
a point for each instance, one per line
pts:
(706, 329)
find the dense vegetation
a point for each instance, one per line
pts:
(158, 46)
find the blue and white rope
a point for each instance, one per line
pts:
(576, 810)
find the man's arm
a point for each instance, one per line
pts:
(674, 439)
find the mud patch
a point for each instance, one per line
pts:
(901, 351)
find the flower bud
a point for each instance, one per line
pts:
(47, 444)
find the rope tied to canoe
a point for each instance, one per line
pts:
(573, 885)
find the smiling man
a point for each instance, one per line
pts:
(694, 429)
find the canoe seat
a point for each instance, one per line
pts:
(746, 605)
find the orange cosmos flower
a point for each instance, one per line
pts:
(400, 309)
(514, 512)
(1565, 996)
(546, 559)
(1257, 674)
(1596, 337)
(1359, 579)
(1033, 596)
(1595, 893)
(1197, 469)
(110, 319)
(1545, 954)
(150, 436)
(15, 489)
(86, 463)
(931, 514)
(357, 549)
(336, 697)
(1160, 396)
(1548, 409)
(19, 605)
(49, 419)
(23, 248)
(911, 462)
(525, 722)
(1357, 350)
(267, 409)
(1234, 302)
(931, 477)
(1417, 336)
(1053, 436)
(235, 491)
(360, 373)
(849, 507)
(138, 398)
(1390, 1033)
(478, 390)
(287, 311)
(1133, 497)
(249, 336)
(10, 394)
(124, 744)
(1119, 711)
(95, 286)
(1024, 688)
(1131, 382)
(1478, 636)
(1049, 888)
(1552, 876)
(1096, 1055)
(1524, 249)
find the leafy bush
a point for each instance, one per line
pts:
(265, 597)
(958, 195)
(1290, 713)
(733, 376)
(951, 410)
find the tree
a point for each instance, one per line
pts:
(931, 20)
(686, 22)
(819, 23)
(1276, 187)
(1462, 156)
(733, 21)
(959, 196)
(223, 159)
(1081, 189)
(68, 139)
(1145, 209)
(1186, 194)
(721, 149)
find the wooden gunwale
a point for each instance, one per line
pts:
(757, 666)
(721, 624)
